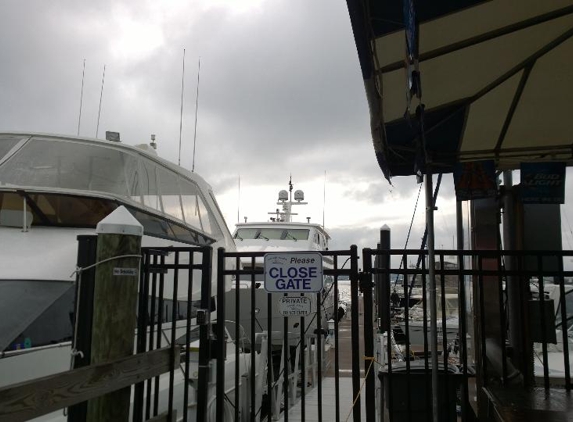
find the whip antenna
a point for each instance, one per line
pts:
(181, 116)
(323, 198)
(81, 97)
(100, 100)
(239, 200)
(196, 110)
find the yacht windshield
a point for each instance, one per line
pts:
(271, 233)
(58, 210)
(7, 143)
(102, 168)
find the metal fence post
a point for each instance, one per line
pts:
(383, 288)
(369, 368)
(82, 341)
(203, 319)
(355, 330)
(220, 399)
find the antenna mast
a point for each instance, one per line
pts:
(239, 200)
(181, 116)
(323, 199)
(81, 97)
(100, 100)
(196, 111)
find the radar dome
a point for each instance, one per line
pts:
(298, 195)
(283, 195)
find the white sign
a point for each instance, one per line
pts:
(289, 272)
(295, 306)
(125, 271)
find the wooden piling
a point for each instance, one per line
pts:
(115, 305)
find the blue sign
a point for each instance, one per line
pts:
(475, 180)
(290, 272)
(543, 183)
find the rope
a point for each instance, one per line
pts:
(372, 360)
(78, 271)
(408, 236)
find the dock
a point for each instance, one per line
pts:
(328, 400)
(328, 384)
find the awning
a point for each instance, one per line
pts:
(496, 78)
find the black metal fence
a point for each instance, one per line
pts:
(175, 301)
(504, 318)
(292, 348)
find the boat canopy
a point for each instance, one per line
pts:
(494, 78)
(103, 168)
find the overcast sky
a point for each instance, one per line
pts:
(281, 93)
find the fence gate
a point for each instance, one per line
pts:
(293, 368)
(175, 301)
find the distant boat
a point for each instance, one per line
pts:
(416, 320)
(280, 234)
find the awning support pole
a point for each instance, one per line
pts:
(432, 279)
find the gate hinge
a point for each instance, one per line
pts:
(365, 280)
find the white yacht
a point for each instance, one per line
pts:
(54, 188)
(280, 234)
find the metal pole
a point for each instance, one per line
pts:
(355, 332)
(87, 249)
(384, 285)
(462, 309)
(433, 311)
(222, 352)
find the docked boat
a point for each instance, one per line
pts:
(418, 328)
(280, 234)
(54, 188)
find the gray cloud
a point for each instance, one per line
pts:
(281, 90)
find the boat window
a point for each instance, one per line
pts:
(77, 211)
(60, 164)
(159, 227)
(271, 233)
(169, 190)
(35, 313)
(295, 234)
(247, 233)
(195, 211)
(217, 210)
(7, 142)
(132, 173)
(204, 216)
(149, 185)
(55, 210)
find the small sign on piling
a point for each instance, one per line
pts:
(293, 272)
